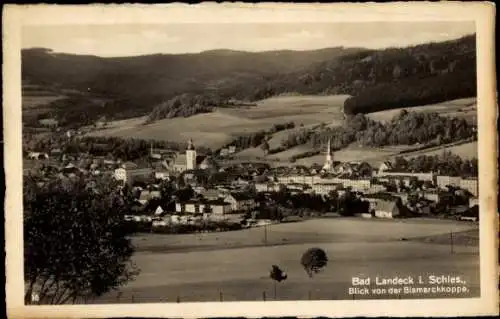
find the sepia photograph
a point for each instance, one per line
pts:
(201, 162)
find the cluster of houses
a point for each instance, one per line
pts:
(224, 191)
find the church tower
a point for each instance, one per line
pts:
(190, 156)
(329, 159)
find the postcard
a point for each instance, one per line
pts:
(251, 160)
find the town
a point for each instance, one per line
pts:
(185, 191)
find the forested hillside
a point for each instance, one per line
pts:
(391, 78)
(137, 84)
(157, 85)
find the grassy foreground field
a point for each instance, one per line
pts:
(201, 267)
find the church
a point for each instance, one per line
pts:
(191, 160)
(329, 165)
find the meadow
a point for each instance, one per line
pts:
(465, 151)
(462, 108)
(218, 128)
(235, 265)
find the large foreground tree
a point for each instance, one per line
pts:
(76, 245)
(313, 261)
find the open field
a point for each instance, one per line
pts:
(199, 267)
(219, 127)
(35, 103)
(465, 108)
(465, 151)
(305, 109)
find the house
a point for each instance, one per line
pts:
(387, 209)
(55, 152)
(385, 166)
(443, 180)
(240, 201)
(261, 187)
(158, 211)
(162, 174)
(267, 187)
(71, 171)
(129, 165)
(376, 188)
(130, 172)
(38, 155)
(372, 203)
(190, 207)
(146, 196)
(470, 185)
(432, 196)
(297, 186)
(208, 163)
(357, 184)
(211, 194)
(219, 207)
(473, 201)
(402, 196)
(326, 188)
(109, 162)
(419, 176)
(155, 156)
(49, 122)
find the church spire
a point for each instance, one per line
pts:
(190, 145)
(328, 159)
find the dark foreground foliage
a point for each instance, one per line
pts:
(75, 243)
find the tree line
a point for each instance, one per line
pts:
(406, 128)
(446, 163)
(260, 137)
(186, 105)
(125, 149)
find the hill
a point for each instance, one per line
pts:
(136, 84)
(224, 125)
(390, 78)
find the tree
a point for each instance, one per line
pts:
(75, 241)
(313, 261)
(277, 275)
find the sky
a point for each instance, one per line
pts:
(131, 40)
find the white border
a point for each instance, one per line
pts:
(482, 13)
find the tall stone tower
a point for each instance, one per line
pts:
(190, 156)
(329, 158)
